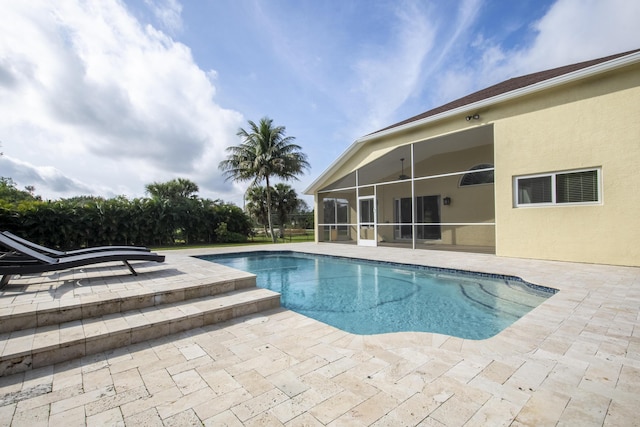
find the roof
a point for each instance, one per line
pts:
(508, 86)
(507, 90)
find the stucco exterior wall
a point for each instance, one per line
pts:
(594, 123)
(589, 123)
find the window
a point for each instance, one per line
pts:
(534, 190)
(336, 211)
(336, 219)
(581, 186)
(367, 215)
(483, 176)
(577, 187)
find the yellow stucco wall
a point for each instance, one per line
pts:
(595, 123)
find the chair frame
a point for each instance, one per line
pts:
(22, 259)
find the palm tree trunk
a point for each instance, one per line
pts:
(273, 236)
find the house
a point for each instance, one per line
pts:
(543, 166)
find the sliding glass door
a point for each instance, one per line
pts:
(427, 213)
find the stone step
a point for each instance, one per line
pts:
(33, 315)
(34, 347)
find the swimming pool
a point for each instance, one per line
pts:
(369, 297)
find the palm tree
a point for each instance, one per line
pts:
(265, 152)
(257, 205)
(285, 200)
(176, 189)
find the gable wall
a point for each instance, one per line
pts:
(592, 124)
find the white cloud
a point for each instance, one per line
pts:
(54, 179)
(111, 103)
(168, 14)
(386, 76)
(579, 30)
(571, 31)
(424, 39)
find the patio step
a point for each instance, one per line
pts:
(28, 316)
(94, 330)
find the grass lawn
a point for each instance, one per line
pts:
(257, 240)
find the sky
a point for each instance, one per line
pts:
(102, 97)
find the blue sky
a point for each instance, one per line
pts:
(102, 97)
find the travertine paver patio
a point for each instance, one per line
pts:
(574, 360)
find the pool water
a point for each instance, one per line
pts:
(367, 297)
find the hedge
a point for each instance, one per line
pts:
(67, 224)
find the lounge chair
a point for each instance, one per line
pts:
(56, 253)
(25, 260)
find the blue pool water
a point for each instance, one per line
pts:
(368, 297)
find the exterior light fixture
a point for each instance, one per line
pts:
(446, 201)
(473, 117)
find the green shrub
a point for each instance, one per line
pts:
(90, 221)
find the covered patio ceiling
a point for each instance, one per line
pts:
(390, 165)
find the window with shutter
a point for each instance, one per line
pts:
(573, 187)
(577, 187)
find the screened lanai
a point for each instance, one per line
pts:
(437, 193)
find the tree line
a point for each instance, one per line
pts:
(172, 215)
